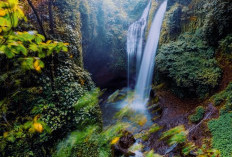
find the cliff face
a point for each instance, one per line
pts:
(105, 24)
(57, 89)
(66, 24)
(189, 42)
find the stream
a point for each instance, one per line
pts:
(141, 63)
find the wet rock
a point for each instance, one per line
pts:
(117, 96)
(156, 109)
(125, 142)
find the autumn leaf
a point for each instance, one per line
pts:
(38, 64)
(38, 127)
(115, 140)
(2, 12)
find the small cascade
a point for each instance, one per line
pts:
(143, 84)
(135, 45)
(189, 131)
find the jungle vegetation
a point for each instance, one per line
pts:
(61, 60)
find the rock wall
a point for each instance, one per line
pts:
(105, 24)
(190, 37)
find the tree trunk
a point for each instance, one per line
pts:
(37, 17)
(51, 20)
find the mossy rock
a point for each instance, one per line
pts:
(198, 115)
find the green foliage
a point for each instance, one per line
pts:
(28, 94)
(90, 141)
(151, 154)
(176, 135)
(221, 130)
(27, 47)
(190, 64)
(146, 133)
(199, 115)
(225, 98)
(89, 98)
(226, 44)
(208, 152)
(217, 24)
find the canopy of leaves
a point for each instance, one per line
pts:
(27, 47)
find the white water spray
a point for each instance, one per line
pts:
(135, 44)
(143, 84)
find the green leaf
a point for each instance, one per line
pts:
(22, 49)
(15, 20)
(38, 40)
(28, 63)
(33, 47)
(9, 53)
(41, 64)
(65, 49)
(42, 54)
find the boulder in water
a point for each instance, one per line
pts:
(125, 142)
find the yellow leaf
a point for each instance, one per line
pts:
(2, 12)
(66, 44)
(115, 140)
(5, 134)
(36, 118)
(49, 41)
(36, 65)
(38, 127)
(143, 121)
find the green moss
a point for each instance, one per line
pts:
(225, 44)
(190, 65)
(89, 141)
(198, 115)
(224, 97)
(221, 130)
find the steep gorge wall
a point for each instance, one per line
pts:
(189, 41)
(104, 27)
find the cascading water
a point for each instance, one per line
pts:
(144, 63)
(143, 84)
(135, 43)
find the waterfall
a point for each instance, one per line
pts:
(143, 84)
(135, 44)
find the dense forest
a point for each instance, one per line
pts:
(112, 78)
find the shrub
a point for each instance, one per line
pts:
(224, 97)
(90, 141)
(199, 114)
(190, 65)
(218, 22)
(226, 44)
(221, 130)
(25, 94)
